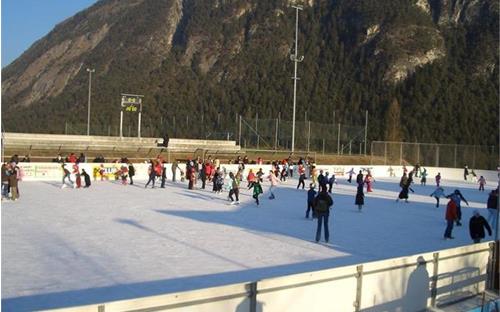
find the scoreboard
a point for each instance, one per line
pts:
(131, 103)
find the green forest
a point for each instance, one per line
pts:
(240, 64)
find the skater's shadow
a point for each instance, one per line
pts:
(54, 184)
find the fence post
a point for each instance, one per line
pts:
(474, 156)
(239, 132)
(366, 129)
(276, 136)
(437, 155)
(309, 136)
(401, 153)
(65, 127)
(385, 153)
(434, 278)
(257, 128)
(455, 157)
(359, 287)
(350, 147)
(323, 147)
(338, 140)
(418, 153)
(360, 146)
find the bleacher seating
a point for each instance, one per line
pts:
(49, 145)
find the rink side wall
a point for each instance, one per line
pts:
(400, 284)
(53, 171)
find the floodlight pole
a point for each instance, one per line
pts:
(90, 71)
(294, 58)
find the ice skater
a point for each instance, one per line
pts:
(438, 193)
(235, 188)
(274, 182)
(311, 194)
(477, 224)
(438, 179)
(66, 175)
(405, 188)
(86, 178)
(257, 190)
(302, 176)
(457, 197)
(423, 177)
(482, 182)
(322, 204)
(332, 180)
(466, 172)
(369, 181)
(351, 173)
(151, 174)
(492, 205)
(450, 216)
(360, 197)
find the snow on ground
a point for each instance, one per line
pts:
(66, 247)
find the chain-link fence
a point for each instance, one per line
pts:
(268, 134)
(309, 136)
(437, 155)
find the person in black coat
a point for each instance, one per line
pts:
(359, 178)
(492, 206)
(131, 173)
(86, 178)
(477, 224)
(360, 197)
(321, 206)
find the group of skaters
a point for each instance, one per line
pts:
(11, 175)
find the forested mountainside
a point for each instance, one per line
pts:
(425, 70)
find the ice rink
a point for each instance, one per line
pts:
(66, 247)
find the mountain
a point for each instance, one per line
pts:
(201, 63)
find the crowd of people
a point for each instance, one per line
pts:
(201, 172)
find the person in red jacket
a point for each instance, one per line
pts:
(451, 216)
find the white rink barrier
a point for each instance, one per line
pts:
(401, 284)
(53, 171)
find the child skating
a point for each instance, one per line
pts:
(482, 183)
(257, 190)
(438, 193)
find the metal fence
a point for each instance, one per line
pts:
(437, 155)
(268, 134)
(276, 134)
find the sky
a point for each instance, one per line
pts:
(26, 21)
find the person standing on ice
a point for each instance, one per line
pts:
(322, 181)
(331, 181)
(152, 174)
(302, 176)
(274, 182)
(492, 205)
(311, 194)
(466, 172)
(438, 193)
(457, 197)
(450, 216)
(369, 181)
(257, 190)
(250, 177)
(175, 166)
(360, 197)
(322, 204)
(86, 178)
(405, 188)
(131, 172)
(66, 175)
(359, 178)
(235, 188)
(477, 224)
(438, 179)
(423, 177)
(482, 182)
(351, 173)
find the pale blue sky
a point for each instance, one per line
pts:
(26, 21)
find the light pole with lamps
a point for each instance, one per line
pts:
(296, 59)
(90, 88)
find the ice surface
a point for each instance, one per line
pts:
(66, 247)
